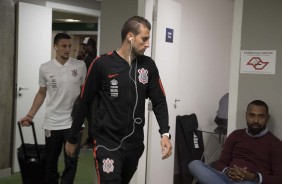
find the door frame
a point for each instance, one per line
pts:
(79, 10)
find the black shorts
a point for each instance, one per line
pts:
(116, 167)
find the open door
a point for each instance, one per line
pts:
(34, 43)
(165, 52)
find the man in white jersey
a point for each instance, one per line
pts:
(60, 81)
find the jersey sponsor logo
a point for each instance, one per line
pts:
(143, 75)
(53, 82)
(74, 73)
(112, 75)
(108, 165)
(114, 88)
(114, 82)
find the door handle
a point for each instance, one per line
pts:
(20, 88)
(19, 92)
(175, 101)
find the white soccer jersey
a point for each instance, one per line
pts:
(63, 84)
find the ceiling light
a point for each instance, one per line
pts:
(72, 20)
(67, 20)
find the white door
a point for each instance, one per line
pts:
(34, 41)
(166, 56)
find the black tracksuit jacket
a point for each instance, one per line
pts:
(121, 90)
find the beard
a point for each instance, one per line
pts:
(255, 130)
(137, 53)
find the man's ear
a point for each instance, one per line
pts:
(130, 37)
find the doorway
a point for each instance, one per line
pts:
(34, 46)
(78, 26)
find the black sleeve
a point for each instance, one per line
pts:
(89, 90)
(157, 96)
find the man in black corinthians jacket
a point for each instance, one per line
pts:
(122, 80)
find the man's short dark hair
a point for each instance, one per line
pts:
(258, 103)
(60, 36)
(133, 25)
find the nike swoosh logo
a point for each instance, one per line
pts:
(113, 75)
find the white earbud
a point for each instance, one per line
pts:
(56, 48)
(130, 39)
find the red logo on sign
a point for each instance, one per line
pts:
(257, 63)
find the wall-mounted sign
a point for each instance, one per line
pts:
(169, 35)
(258, 61)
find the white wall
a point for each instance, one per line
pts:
(205, 56)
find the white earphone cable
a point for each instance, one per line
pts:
(136, 120)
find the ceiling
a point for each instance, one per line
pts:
(62, 16)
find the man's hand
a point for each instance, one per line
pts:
(70, 149)
(26, 121)
(236, 173)
(240, 174)
(166, 147)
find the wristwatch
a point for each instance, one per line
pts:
(226, 171)
(166, 134)
(256, 178)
